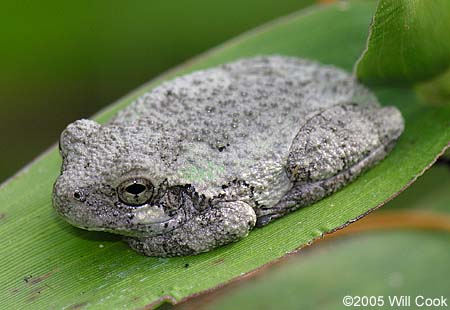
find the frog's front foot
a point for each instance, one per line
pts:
(220, 224)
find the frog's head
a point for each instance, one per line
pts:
(113, 179)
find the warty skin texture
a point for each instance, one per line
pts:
(211, 154)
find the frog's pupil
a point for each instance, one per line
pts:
(135, 188)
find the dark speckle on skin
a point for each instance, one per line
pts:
(199, 161)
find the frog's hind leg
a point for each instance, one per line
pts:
(331, 150)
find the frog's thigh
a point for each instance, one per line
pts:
(223, 223)
(332, 149)
(339, 138)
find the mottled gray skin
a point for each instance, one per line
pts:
(225, 149)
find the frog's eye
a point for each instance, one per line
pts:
(135, 191)
(79, 195)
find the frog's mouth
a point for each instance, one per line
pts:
(149, 220)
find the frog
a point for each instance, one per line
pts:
(200, 160)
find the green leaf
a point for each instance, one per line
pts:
(45, 261)
(385, 263)
(377, 264)
(408, 42)
(437, 90)
(430, 193)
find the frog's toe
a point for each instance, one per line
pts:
(238, 219)
(222, 223)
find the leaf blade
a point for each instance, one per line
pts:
(408, 42)
(98, 271)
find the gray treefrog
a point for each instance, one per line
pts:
(200, 160)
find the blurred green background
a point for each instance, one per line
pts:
(63, 60)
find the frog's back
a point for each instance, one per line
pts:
(250, 99)
(237, 121)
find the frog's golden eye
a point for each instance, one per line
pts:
(135, 191)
